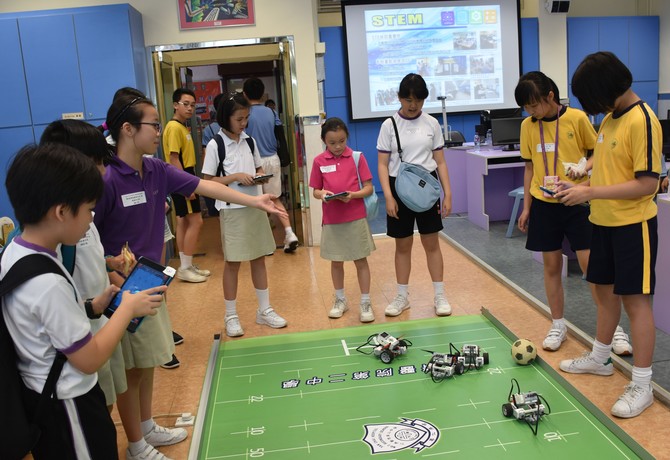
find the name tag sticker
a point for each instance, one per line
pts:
(600, 138)
(133, 199)
(328, 169)
(548, 147)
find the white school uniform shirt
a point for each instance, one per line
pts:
(418, 138)
(42, 315)
(238, 159)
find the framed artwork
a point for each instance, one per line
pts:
(199, 14)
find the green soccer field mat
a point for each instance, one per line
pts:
(312, 395)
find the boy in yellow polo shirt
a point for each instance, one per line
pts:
(626, 168)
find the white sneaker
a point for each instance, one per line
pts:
(397, 306)
(200, 271)
(233, 326)
(633, 401)
(586, 365)
(270, 318)
(190, 275)
(621, 343)
(161, 436)
(367, 315)
(442, 307)
(149, 453)
(555, 337)
(290, 242)
(339, 307)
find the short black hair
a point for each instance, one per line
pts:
(254, 88)
(179, 92)
(80, 135)
(48, 175)
(125, 108)
(599, 80)
(333, 124)
(533, 87)
(217, 101)
(228, 108)
(270, 102)
(128, 91)
(413, 84)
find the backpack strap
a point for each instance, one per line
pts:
(250, 143)
(397, 137)
(356, 156)
(26, 268)
(221, 148)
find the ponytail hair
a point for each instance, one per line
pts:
(125, 109)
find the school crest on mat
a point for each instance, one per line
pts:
(408, 434)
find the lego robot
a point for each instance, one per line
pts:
(385, 346)
(442, 366)
(529, 406)
(471, 356)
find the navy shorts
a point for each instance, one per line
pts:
(550, 223)
(427, 222)
(182, 205)
(625, 257)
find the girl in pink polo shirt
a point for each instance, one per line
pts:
(345, 234)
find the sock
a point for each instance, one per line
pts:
(365, 297)
(263, 296)
(147, 426)
(339, 293)
(642, 376)
(186, 261)
(231, 307)
(403, 290)
(601, 352)
(438, 287)
(136, 448)
(558, 323)
(288, 230)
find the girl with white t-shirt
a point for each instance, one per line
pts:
(245, 232)
(345, 234)
(422, 144)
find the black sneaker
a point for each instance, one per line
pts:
(172, 364)
(178, 339)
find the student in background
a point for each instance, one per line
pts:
(180, 152)
(207, 135)
(245, 231)
(551, 136)
(261, 127)
(90, 272)
(422, 142)
(127, 213)
(624, 181)
(53, 189)
(345, 233)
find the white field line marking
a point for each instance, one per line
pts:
(344, 345)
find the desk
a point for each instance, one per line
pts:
(455, 159)
(662, 291)
(491, 174)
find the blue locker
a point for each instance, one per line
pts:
(11, 140)
(613, 36)
(12, 78)
(530, 45)
(643, 42)
(52, 67)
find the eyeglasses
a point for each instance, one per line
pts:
(157, 126)
(187, 104)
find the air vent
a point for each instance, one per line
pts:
(329, 6)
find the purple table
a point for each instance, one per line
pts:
(662, 291)
(491, 175)
(455, 159)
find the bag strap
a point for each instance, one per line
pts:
(221, 148)
(24, 269)
(356, 156)
(397, 137)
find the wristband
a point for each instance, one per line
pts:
(88, 306)
(109, 270)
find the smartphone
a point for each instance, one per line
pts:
(146, 274)
(334, 195)
(262, 178)
(546, 190)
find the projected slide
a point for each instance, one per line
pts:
(466, 52)
(455, 50)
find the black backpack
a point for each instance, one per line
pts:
(221, 147)
(21, 433)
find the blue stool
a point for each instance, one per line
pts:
(517, 193)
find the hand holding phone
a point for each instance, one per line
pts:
(334, 195)
(262, 178)
(548, 191)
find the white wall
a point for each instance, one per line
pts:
(273, 18)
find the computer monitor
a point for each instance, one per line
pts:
(506, 132)
(665, 125)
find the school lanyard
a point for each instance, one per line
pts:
(544, 151)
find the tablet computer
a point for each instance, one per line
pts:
(146, 274)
